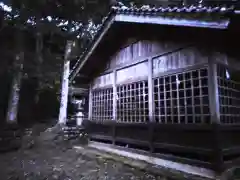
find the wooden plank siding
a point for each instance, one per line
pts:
(168, 140)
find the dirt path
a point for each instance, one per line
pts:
(57, 163)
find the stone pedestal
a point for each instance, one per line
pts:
(79, 118)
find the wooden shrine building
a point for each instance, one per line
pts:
(166, 81)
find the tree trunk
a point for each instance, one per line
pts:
(39, 59)
(17, 77)
(15, 91)
(65, 83)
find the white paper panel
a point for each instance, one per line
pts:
(180, 59)
(104, 80)
(133, 72)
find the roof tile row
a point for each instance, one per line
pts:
(190, 9)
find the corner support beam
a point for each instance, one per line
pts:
(213, 93)
(215, 116)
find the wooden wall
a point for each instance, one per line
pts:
(131, 60)
(141, 48)
(131, 64)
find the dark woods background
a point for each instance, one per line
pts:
(36, 103)
(43, 44)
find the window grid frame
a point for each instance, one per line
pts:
(102, 104)
(134, 107)
(229, 93)
(178, 106)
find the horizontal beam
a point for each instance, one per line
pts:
(231, 151)
(175, 147)
(82, 76)
(158, 126)
(164, 163)
(78, 90)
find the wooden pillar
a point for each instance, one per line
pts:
(114, 95)
(65, 83)
(114, 106)
(215, 116)
(150, 104)
(213, 93)
(150, 90)
(90, 103)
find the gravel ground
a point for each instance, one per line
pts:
(56, 162)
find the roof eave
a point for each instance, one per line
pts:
(214, 24)
(89, 53)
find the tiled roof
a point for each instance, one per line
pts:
(152, 11)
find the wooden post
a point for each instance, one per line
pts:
(114, 106)
(150, 103)
(213, 93)
(65, 83)
(113, 133)
(150, 90)
(215, 115)
(90, 103)
(114, 96)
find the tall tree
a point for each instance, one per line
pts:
(18, 68)
(49, 19)
(65, 84)
(16, 81)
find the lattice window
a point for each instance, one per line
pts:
(182, 98)
(102, 104)
(229, 95)
(132, 102)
